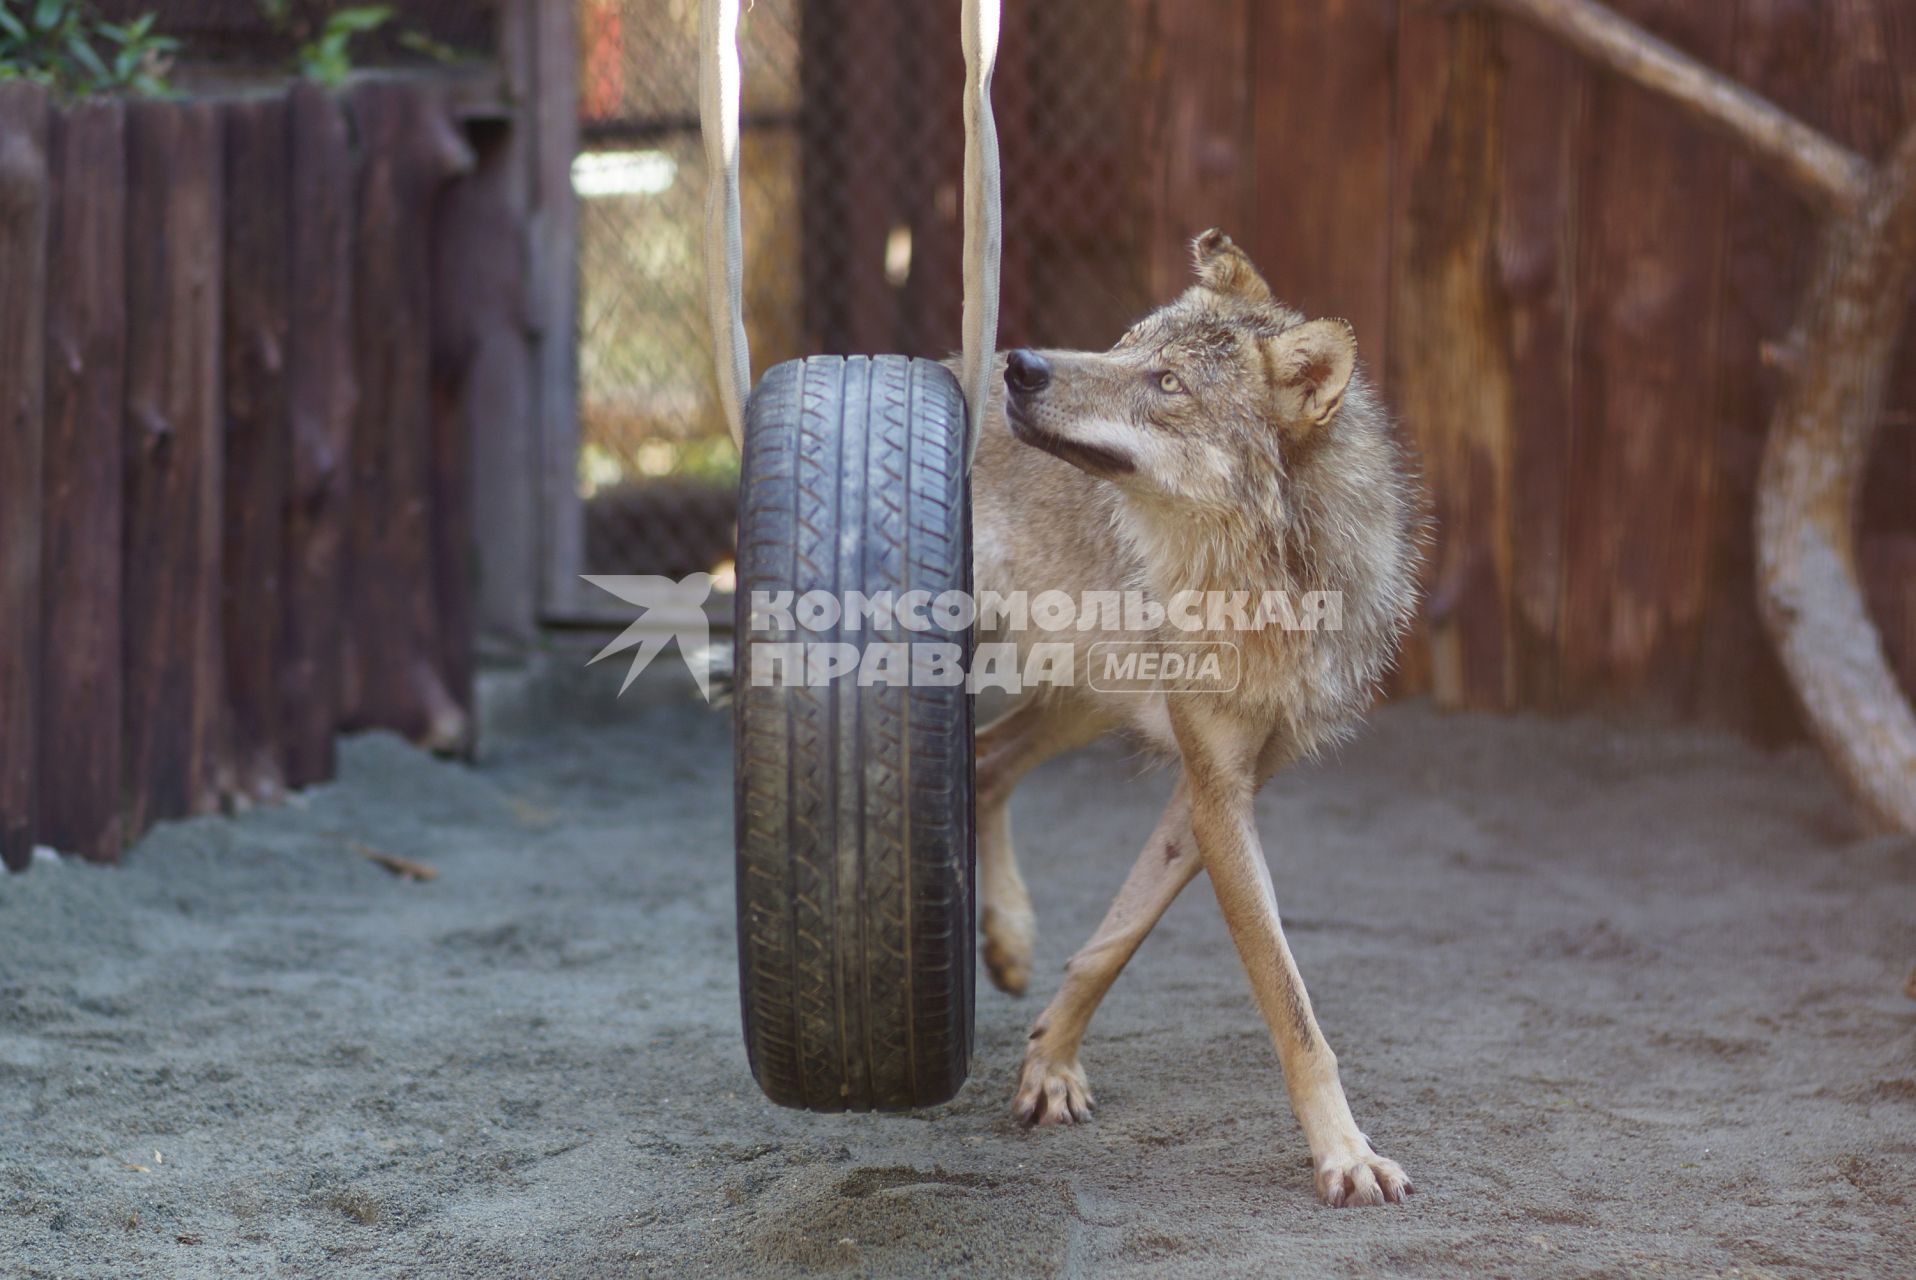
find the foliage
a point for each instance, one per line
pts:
(59, 43)
(328, 59)
(421, 43)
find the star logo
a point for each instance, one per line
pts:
(669, 610)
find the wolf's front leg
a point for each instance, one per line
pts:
(1052, 1087)
(1219, 761)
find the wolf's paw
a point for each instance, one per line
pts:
(1358, 1175)
(1008, 939)
(1052, 1093)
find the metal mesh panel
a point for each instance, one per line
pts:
(851, 167)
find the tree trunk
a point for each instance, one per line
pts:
(1819, 443)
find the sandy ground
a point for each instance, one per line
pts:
(1622, 1001)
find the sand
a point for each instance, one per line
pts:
(1622, 1000)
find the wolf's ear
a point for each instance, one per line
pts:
(1224, 268)
(1311, 366)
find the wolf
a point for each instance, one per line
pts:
(1225, 444)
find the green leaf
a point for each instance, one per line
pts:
(81, 52)
(421, 43)
(364, 18)
(325, 60)
(10, 26)
(48, 14)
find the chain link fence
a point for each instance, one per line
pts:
(851, 167)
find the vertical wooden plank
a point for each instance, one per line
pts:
(175, 691)
(320, 391)
(506, 460)
(553, 57)
(80, 706)
(482, 386)
(1322, 146)
(1783, 52)
(1322, 122)
(1545, 94)
(23, 236)
(1450, 341)
(258, 282)
(1194, 97)
(1651, 220)
(409, 150)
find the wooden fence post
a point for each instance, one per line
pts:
(552, 269)
(482, 374)
(1194, 107)
(1450, 339)
(322, 393)
(393, 675)
(258, 437)
(1544, 96)
(80, 711)
(23, 235)
(1328, 252)
(508, 463)
(175, 692)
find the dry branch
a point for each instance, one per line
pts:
(1828, 173)
(1847, 334)
(404, 868)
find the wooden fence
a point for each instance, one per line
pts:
(236, 338)
(1575, 297)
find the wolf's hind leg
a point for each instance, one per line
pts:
(1009, 748)
(1005, 917)
(1052, 1088)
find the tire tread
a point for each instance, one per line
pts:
(854, 804)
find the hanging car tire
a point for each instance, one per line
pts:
(854, 800)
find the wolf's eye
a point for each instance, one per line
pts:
(1169, 384)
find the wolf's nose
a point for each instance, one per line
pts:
(1026, 372)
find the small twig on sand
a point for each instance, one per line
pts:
(404, 868)
(1909, 983)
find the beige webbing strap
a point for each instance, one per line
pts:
(724, 241)
(984, 225)
(724, 238)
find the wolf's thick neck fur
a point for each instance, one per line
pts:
(1334, 513)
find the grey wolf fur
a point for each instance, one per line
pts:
(1225, 443)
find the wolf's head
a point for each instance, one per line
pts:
(1208, 401)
